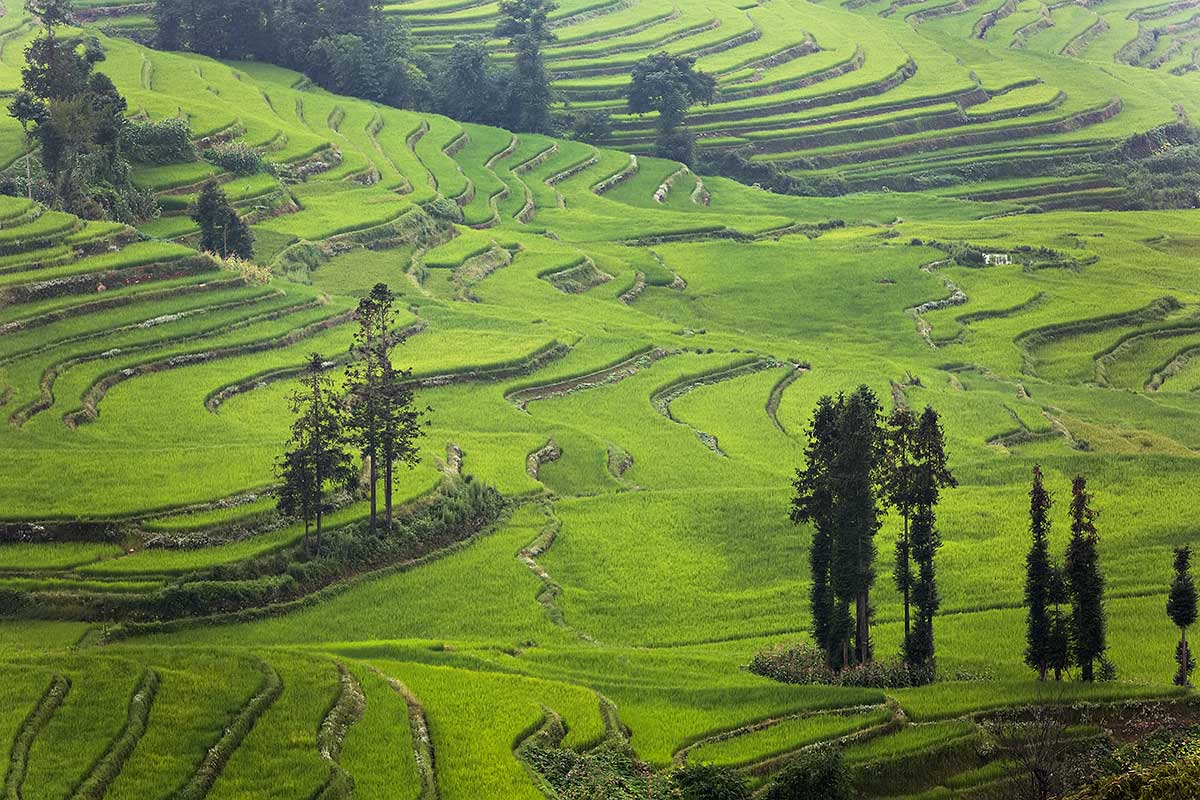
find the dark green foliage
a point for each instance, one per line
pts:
(237, 157)
(316, 459)
(836, 492)
(899, 490)
(670, 85)
(469, 87)
(816, 774)
(349, 47)
(1085, 583)
(929, 476)
(167, 141)
(222, 231)
(1038, 579)
(813, 503)
(78, 118)
(708, 782)
(525, 23)
(1181, 608)
(1058, 649)
(736, 164)
(592, 127)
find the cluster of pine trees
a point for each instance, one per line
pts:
(374, 415)
(856, 462)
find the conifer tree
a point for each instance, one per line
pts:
(1058, 652)
(382, 417)
(836, 491)
(813, 503)
(316, 459)
(856, 512)
(364, 376)
(1038, 579)
(1181, 608)
(1085, 583)
(222, 231)
(930, 476)
(898, 489)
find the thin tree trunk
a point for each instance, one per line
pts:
(387, 489)
(863, 628)
(28, 172)
(907, 585)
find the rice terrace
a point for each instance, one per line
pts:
(599, 399)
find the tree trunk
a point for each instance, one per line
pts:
(1086, 670)
(28, 173)
(907, 585)
(387, 490)
(863, 628)
(373, 477)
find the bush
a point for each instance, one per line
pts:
(591, 127)
(805, 664)
(816, 774)
(167, 141)
(444, 208)
(708, 782)
(237, 157)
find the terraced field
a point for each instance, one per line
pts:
(629, 353)
(870, 94)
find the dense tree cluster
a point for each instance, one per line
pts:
(853, 466)
(352, 47)
(76, 117)
(374, 416)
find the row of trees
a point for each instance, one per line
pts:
(76, 118)
(1056, 640)
(373, 416)
(352, 47)
(856, 463)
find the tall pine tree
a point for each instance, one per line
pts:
(1181, 608)
(930, 476)
(1085, 583)
(813, 503)
(898, 489)
(1038, 579)
(856, 512)
(526, 25)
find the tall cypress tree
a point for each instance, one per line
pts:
(931, 475)
(1038, 579)
(856, 511)
(1058, 652)
(1085, 583)
(898, 489)
(1181, 608)
(813, 503)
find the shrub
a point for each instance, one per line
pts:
(167, 141)
(237, 157)
(816, 774)
(805, 664)
(708, 782)
(444, 208)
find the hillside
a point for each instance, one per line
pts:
(630, 353)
